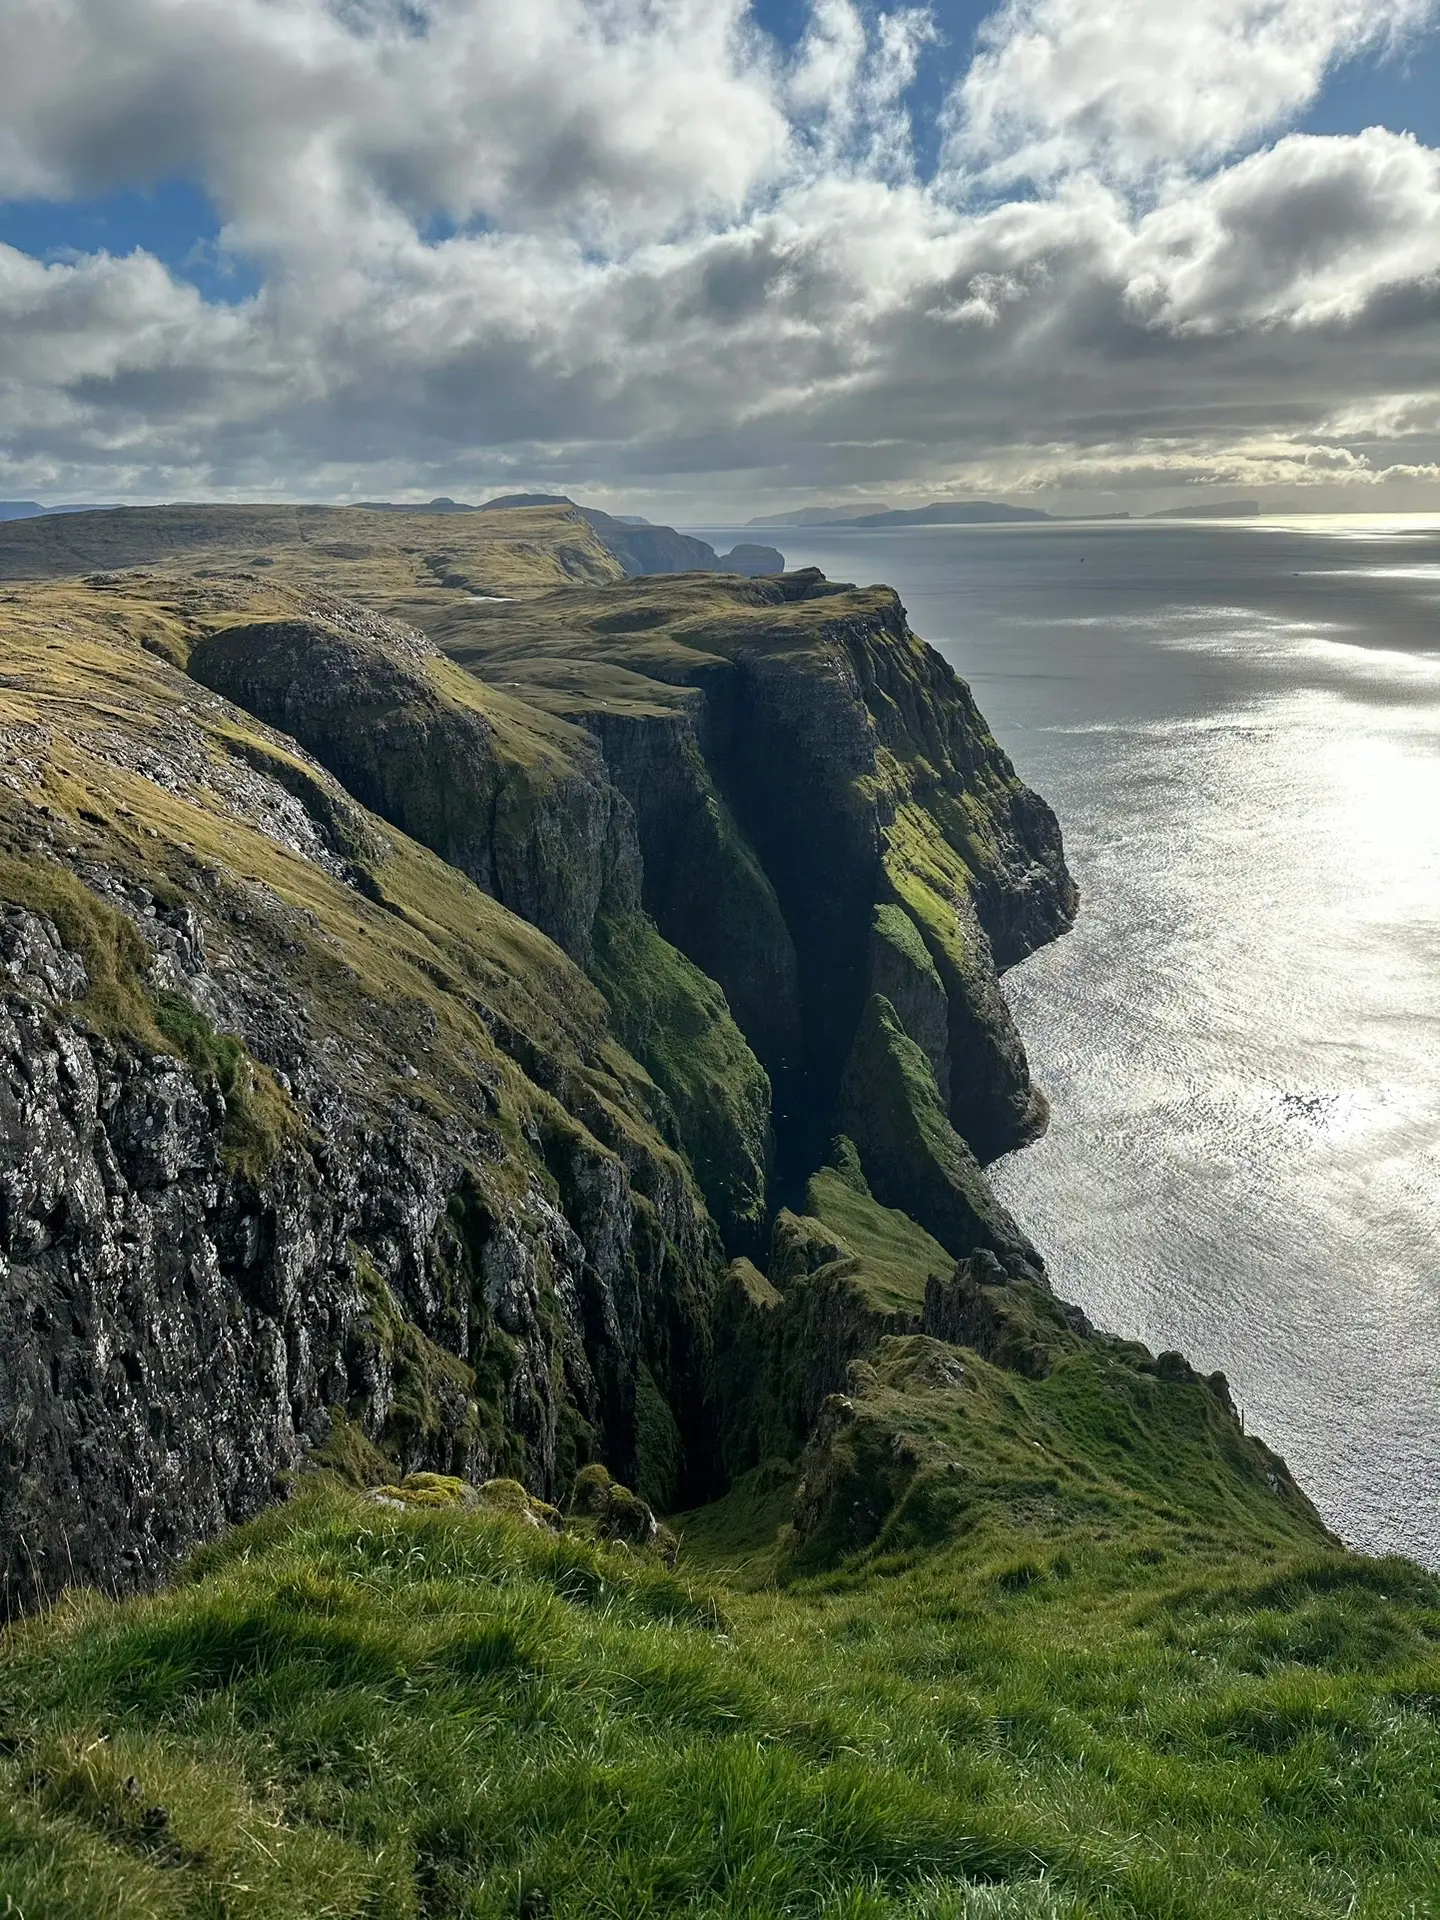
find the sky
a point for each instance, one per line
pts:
(702, 259)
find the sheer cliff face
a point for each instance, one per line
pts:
(387, 1039)
(517, 801)
(820, 808)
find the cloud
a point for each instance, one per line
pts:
(634, 244)
(1307, 233)
(613, 118)
(1132, 88)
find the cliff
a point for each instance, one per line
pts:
(467, 1056)
(302, 1132)
(570, 1032)
(826, 773)
(647, 549)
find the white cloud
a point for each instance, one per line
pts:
(616, 118)
(848, 82)
(1135, 87)
(625, 243)
(1303, 234)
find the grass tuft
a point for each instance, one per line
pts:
(351, 1710)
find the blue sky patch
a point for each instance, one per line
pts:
(175, 222)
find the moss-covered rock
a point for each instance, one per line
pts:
(508, 1496)
(913, 1158)
(801, 1245)
(986, 1091)
(930, 1442)
(842, 1277)
(441, 1492)
(601, 1506)
(703, 882)
(1015, 1323)
(675, 1020)
(903, 972)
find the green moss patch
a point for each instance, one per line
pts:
(675, 1021)
(115, 955)
(912, 1156)
(258, 1113)
(896, 1257)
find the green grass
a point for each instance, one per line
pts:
(258, 1113)
(344, 1710)
(896, 1256)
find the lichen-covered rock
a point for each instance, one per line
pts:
(173, 1337)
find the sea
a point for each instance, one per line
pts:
(1238, 724)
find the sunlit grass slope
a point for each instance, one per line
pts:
(344, 1710)
(417, 564)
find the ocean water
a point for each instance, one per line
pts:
(1239, 727)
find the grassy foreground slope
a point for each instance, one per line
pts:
(344, 1710)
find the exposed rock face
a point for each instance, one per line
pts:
(752, 560)
(651, 550)
(519, 804)
(703, 883)
(523, 805)
(647, 549)
(173, 1335)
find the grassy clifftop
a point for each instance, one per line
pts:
(415, 561)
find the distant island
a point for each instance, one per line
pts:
(966, 513)
(1209, 510)
(32, 510)
(940, 513)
